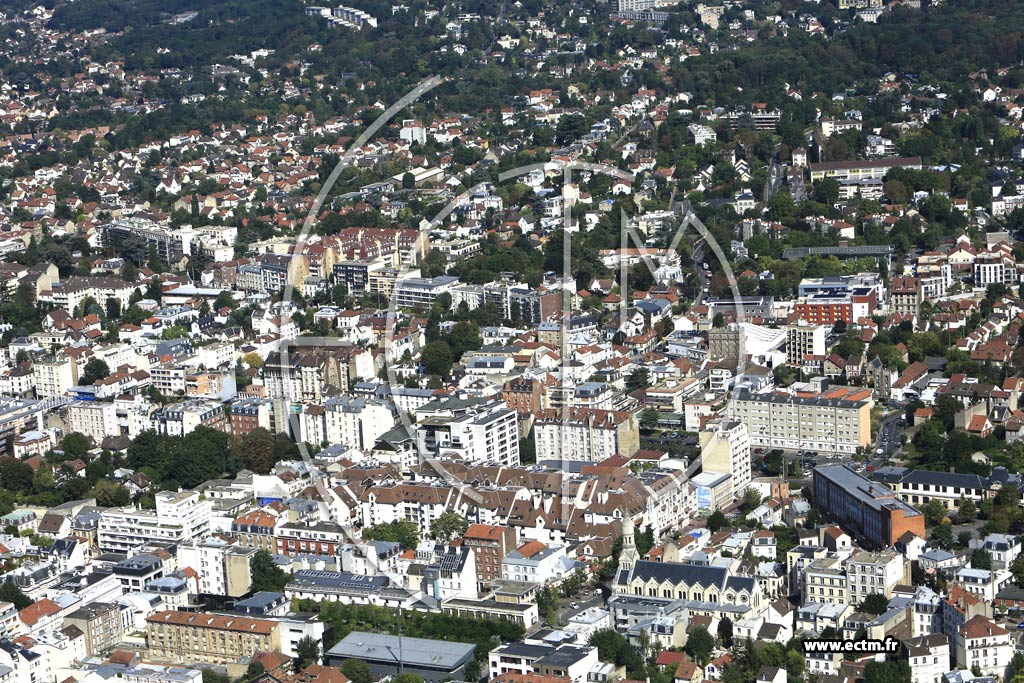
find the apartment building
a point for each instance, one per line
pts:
(928, 656)
(419, 292)
(490, 544)
(828, 309)
(101, 624)
(179, 419)
(983, 644)
(905, 296)
(474, 430)
(309, 539)
(997, 266)
(304, 372)
(825, 582)
(54, 376)
(248, 414)
(223, 568)
(356, 422)
(804, 340)
(864, 169)
(93, 419)
(876, 572)
(835, 420)
(173, 636)
(586, 434)
(725, 447)
(918, 487)
(178, 517)
(863, 508)
(525, 395)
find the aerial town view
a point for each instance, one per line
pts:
(511, 341)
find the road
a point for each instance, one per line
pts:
(889, 432)
(702, 277)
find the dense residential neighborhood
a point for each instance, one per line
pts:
(511, 342)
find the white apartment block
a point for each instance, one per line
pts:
(178, 517)
(804, 340)
(93, 419)
(357, 422)
(702, 135)
(877, 572)
(825, 582)
(984, 644)
(54, 377)
(928, 656)
(223, 568)
(585, 434)
(836, 421)
(725, 447)
(472, 430)
(994, 268)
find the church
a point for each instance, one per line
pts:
(700, 589)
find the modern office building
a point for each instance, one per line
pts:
(865, 509)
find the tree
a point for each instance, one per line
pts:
(645, 540)
(113, 308)
(15, 475)
(826, 191)
(75, 445)
(716, 521)
(725, 631)
(404, 533)
(266, 575)
(751, 499)
(254, 669)
(1017, 569)
(253, 360)
(613, 647)
(934, 512)
(547, 604)
(408, 181)
(888, 671)
(875, 603)
(95, 369)
(307, 651)
(967, 511)
(718, 321)
(437, 358)
(648, 418)
(473, 670)
(256, 450)
(9, 592)
(780, 208)
(357, 671)
(406, 678)
(699, 645)
(448, 526)
(638, 379)
(981, 559)
(42, 480)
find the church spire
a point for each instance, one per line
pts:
(629, 556)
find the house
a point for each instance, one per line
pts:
(983, 644)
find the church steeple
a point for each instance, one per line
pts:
(629, 556)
